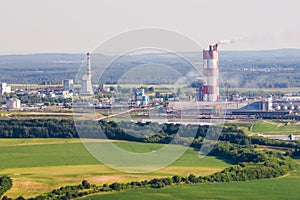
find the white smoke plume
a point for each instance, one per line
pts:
(231, 41)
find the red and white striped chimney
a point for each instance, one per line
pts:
(211, 74)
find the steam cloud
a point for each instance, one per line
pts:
(231, 41)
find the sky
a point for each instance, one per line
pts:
(77, 26)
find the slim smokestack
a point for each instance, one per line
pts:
(89, 70)
(86, 86)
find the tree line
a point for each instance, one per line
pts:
(151, 133)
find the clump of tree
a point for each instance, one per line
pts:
(5, 184)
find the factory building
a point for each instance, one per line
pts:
(101, 88)
(211, 74)
(261, 109)
(86, 85)
(68, 85)
(263, 105)
(140, 98)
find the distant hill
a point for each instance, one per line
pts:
(53, 68)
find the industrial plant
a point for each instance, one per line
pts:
(205, 103)
(201, 101)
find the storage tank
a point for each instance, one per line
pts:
(291, 107)
(277, 107)
(284, 107)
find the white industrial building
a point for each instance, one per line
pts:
(13, 104)
(68, 85)
(4, 88)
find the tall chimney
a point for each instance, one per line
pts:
(211, 74)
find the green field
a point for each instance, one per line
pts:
(40, 165)
(271, 127)
(267, 127)
(281, 188)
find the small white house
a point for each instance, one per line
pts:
(292, 137)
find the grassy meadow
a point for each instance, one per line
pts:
(41, 165)
(271, 127)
